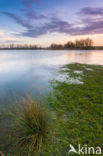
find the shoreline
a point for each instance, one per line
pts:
(53, 49)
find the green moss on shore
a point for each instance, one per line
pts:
(79, 107)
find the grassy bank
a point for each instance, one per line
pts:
(79, 106)
(76, 105)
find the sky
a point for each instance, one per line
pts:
(43, 22)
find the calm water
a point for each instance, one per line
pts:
(30, 71)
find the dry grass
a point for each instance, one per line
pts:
(31, 128)
(1, 153)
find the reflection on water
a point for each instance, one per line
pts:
(22, 71)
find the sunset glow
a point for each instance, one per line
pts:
(43, 22)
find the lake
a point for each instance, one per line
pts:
(30, 71)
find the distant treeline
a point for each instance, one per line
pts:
(86, 44)
(77, 44)
(20, 46)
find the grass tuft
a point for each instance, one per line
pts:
(31, 128)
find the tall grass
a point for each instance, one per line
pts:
(31, 128)
(1, 153)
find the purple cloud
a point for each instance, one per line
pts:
(91, 11)
(90, 24)
(19, 20)
(28, 3)
(93, 27)
(55, 25)
(11, 41)
(34, 15)
(92, 19)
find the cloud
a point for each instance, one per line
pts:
(18, 19)
(10, 41)
(28, 3)
(5, 38)
(92, 19)
(92, 27)
(89, 24)
(91, 11)
(33, 15)
(1, 33)
(55, 25)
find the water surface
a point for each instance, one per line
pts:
(30, 71)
